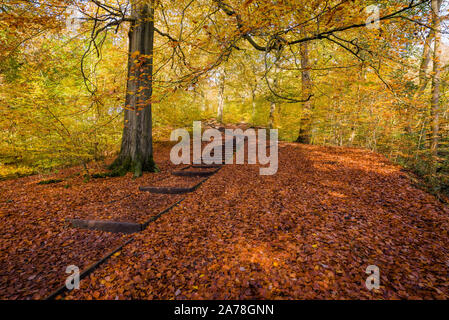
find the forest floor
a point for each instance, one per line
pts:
(307, 232)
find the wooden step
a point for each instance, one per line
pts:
(194, 173)
(206, 166)
(109, 226)
(168, 190)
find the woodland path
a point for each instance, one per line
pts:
(309, 231)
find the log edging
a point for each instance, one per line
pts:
(171, 190)
(62, 289)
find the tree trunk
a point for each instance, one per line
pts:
(305, 124)
(221, 97)
(253, 103)
(436, 80)
(136, 153)
(203, 101)
(271, 116)
(274, 83)
(425, 60)
(423, 79)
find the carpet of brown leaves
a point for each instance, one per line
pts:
(308, 232)
(36, 242)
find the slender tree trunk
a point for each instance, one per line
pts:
(274, 83)
(203, 101)
(221, 97)
(305, 125)
(423, 79)
(436, 80)
(253, 103)
(425, 60)
(271, 116)
(136, 153)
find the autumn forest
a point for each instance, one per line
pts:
(95, 95)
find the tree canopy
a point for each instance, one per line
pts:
(339, 72)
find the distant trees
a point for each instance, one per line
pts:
(270, 28)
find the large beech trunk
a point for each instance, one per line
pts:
(136, 153)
